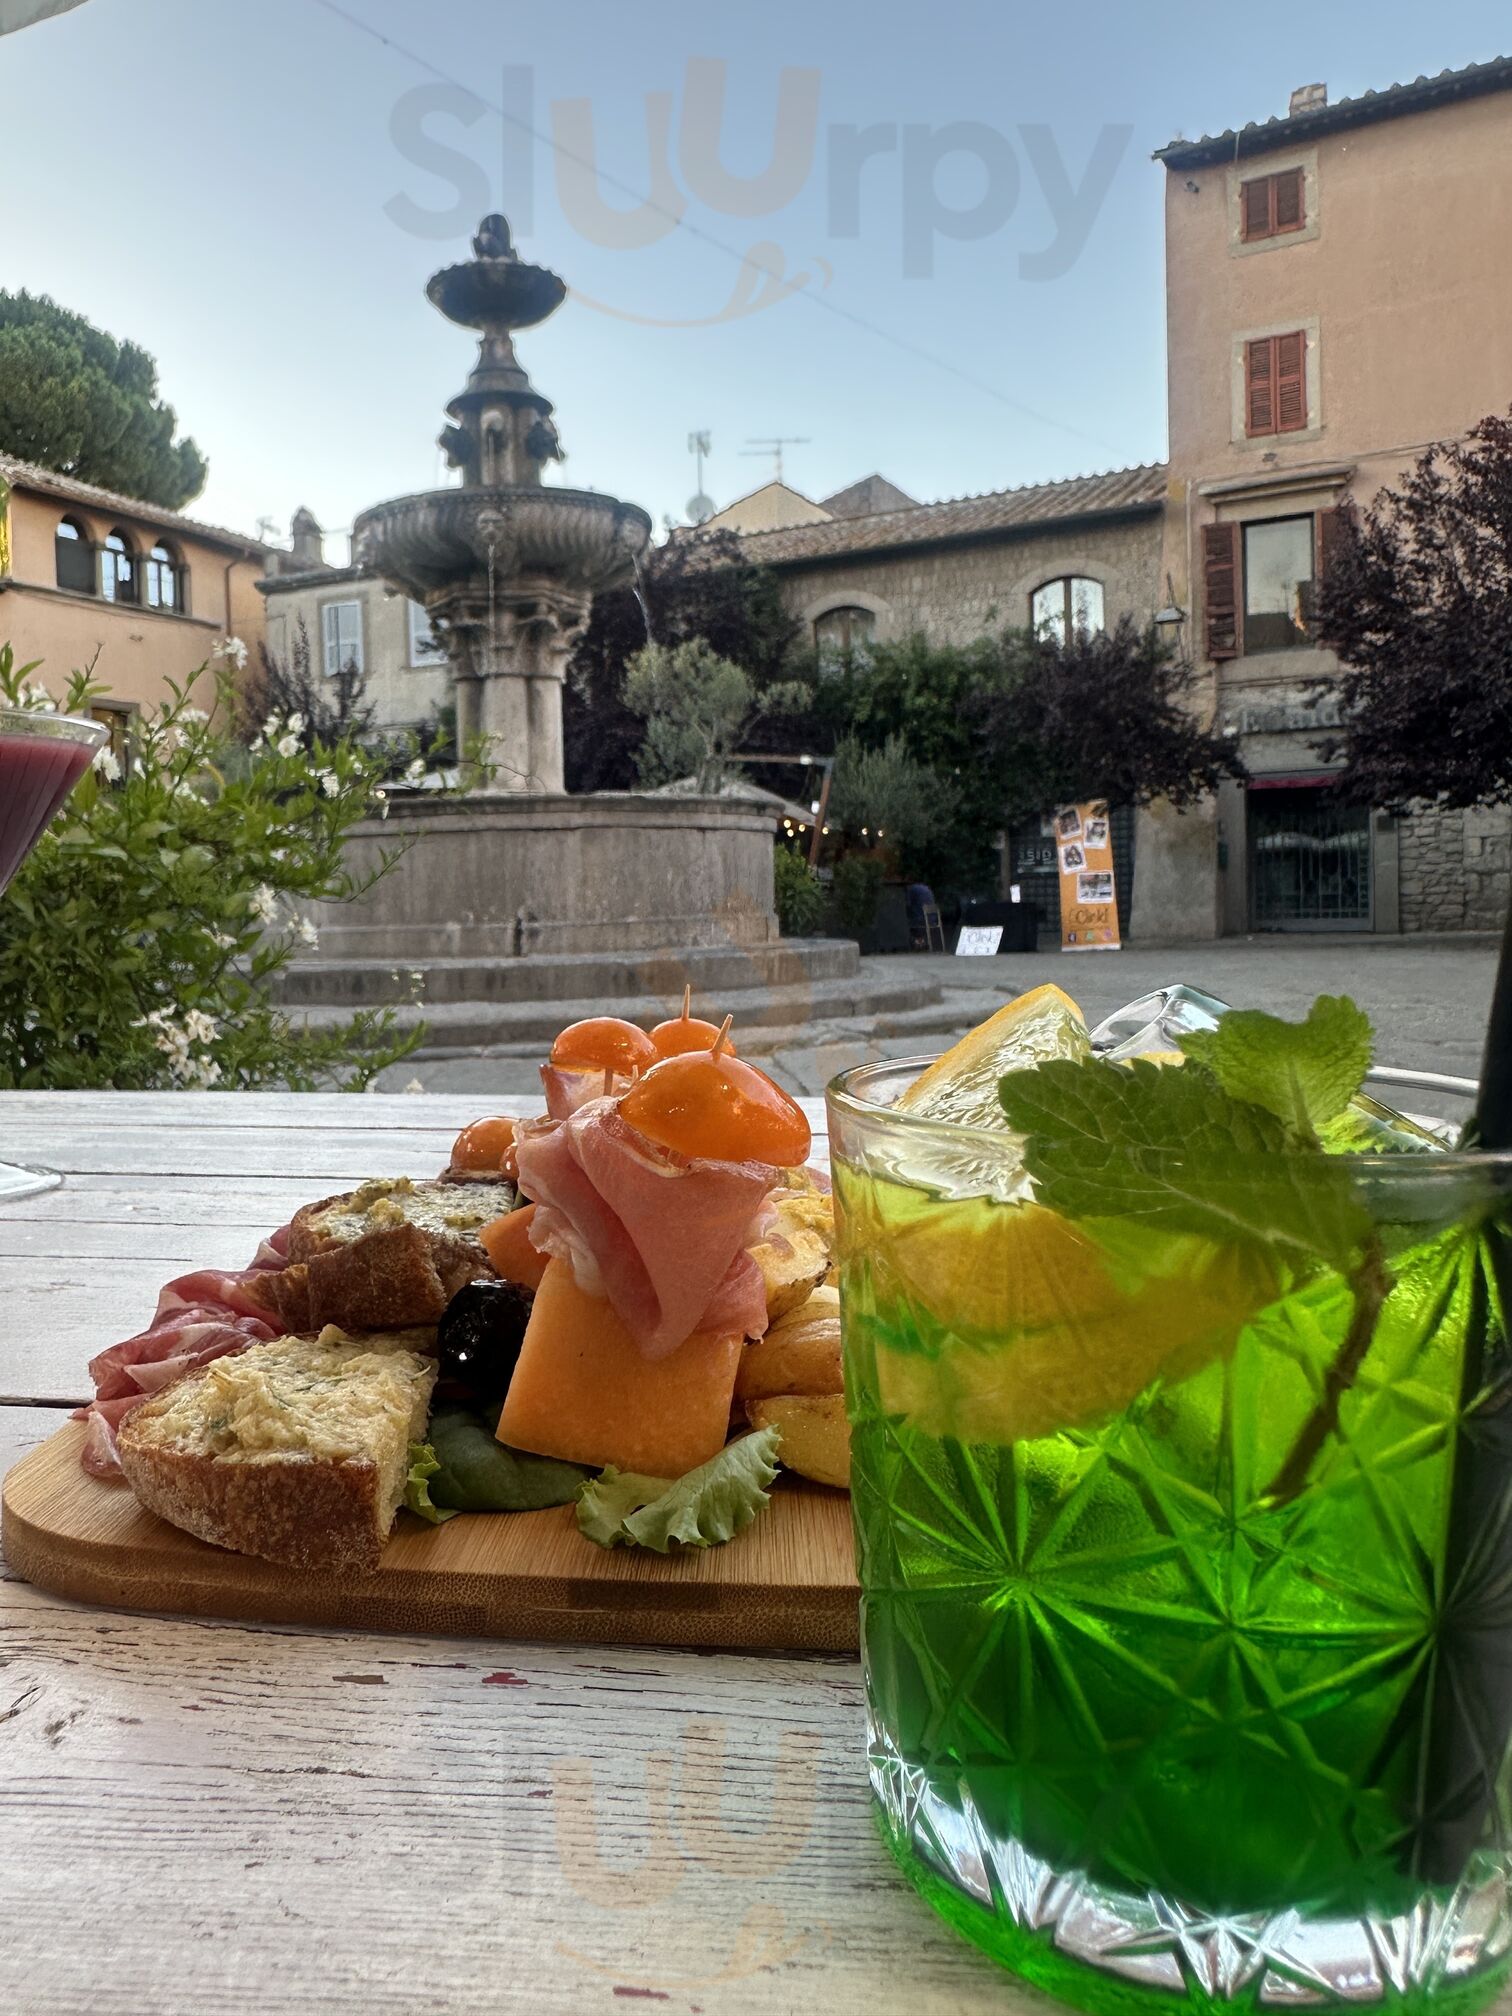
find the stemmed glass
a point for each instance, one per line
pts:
(42, 757)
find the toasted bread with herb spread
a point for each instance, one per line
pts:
(386, 1256)
(296, 1451)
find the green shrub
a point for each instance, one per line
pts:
(800, 899)
(137, 942)
(857, 892)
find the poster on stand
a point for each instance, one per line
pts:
(1088, 900)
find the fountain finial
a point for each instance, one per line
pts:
(493, 239)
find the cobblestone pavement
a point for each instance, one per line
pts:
(1428, 998)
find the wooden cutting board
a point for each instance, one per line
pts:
(786, 1583)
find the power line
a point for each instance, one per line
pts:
(681, 223)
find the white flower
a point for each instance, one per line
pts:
(36, 699)
(414, 1085)
(108, 765)
(296, 724)
(288, 745)
(200, 1027)
(234, 652)
(416, 771)
(192, 717)
(199, 1072)
(263, 903)
(271, 727)
(381, 800)
(221, 940)
(330, 783)
(307, 933)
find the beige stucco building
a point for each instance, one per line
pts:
(142, 594)
(349, 615)
(1336, 303)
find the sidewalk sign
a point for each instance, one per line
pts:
(1084, 852)
(978, 941)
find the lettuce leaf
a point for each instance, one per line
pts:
(701, 1509)
(417, 1497)
(476, 1473)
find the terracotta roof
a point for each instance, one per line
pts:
(1394, 102)
(1117, 493)
(32, 476)
(860, 500)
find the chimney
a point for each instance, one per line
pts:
(308, 543)
(1307, 98)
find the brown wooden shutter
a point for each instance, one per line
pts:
(1259, 386)
(1287, 199)
(1255, 197)
(1220, 590)
(1291, 383)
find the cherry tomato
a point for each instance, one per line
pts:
(710, 1105)
(484, 1145)
(604, 1043)
(687, 1032)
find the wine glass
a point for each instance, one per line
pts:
(42, 757)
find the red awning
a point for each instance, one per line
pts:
(1295, 781)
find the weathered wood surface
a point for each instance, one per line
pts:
(789, 1583)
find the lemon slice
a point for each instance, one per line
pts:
(961, 1086)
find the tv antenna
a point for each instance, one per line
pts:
(773, 445)
(700, 504)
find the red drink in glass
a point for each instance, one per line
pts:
(42, 757)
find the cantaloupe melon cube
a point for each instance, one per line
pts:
(583, 1390)
(506, 1241)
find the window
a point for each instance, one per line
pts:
(340, 637)
(165, 579)
(843, 633)
(74, 558)
(425, 647)
(1278, 572)
(118, 572)
(1070, 607)
(119, 720)
(1272, 205)
(1275, 384)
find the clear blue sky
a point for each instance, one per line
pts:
(220, 179)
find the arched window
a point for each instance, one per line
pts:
(1070, 607)
(844, 633)
(118, 569)
(74, 561)
(165, 578)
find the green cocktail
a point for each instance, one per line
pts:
(1187, 1584)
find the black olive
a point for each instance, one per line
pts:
(479, 1337)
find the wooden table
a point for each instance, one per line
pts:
(199, 1816)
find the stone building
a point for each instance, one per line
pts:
(1084, 552)
(1334, 308)
(143, 594)
(351, 616)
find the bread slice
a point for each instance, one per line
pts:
(296, 1451)
(387, 1256)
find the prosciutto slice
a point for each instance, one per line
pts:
(662, 1236)
(200, 1316)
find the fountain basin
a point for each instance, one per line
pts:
(428, 543)
(508, 874)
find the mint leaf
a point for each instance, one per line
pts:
(1305, 1072)
(1170, 1148)
(706, 1506)
(417, 1498)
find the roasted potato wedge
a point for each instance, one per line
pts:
(815, 1434)
(799, 1354)
(795, 1257)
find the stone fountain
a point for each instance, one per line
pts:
(505, 566)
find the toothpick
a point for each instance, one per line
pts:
(720, 1040)
(687, 1013)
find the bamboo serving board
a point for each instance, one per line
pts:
(787, 1583)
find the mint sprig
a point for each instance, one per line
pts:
(1305, 1072)
(1225, 1146)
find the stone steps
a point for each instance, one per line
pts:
(571, 976)
(766, 1018)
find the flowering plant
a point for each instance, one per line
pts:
(138, 941)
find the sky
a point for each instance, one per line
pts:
(922, 240)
